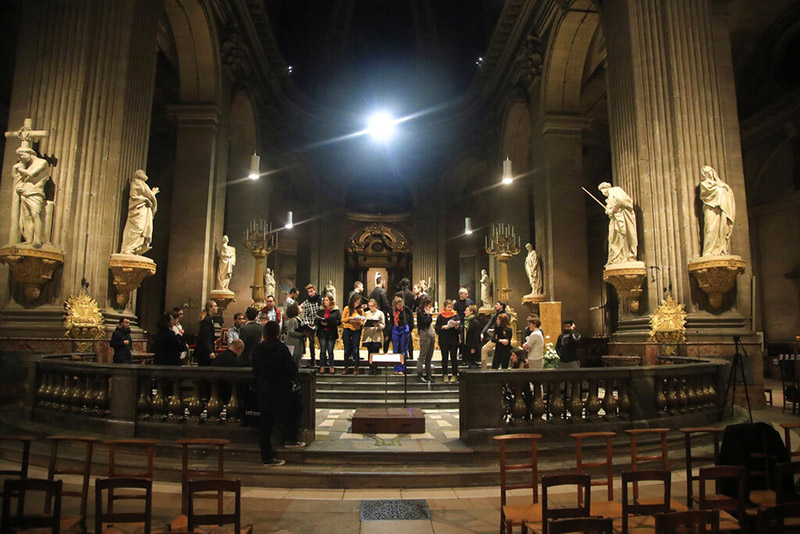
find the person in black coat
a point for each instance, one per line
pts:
(275, 374)
(409, 298)
(328, 320)
(447, 328)
(502, 339)
(204, 350)
(230, 356)
(167, 345)
(121, 341)
(472, 337)
(251, 334)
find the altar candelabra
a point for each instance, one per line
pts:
(503, 243)
(260, 240)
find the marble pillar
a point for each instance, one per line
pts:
(193, 229)
(88, 77)
(672, 110)
(331, 256)
(423, 242)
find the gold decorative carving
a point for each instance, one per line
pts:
(32, 267)
(627, 278)
(377, 245)
(716, 275)
(83, 321)
(668, 325)
(128, 271)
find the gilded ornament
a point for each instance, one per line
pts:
(83, 321)
(668, 325)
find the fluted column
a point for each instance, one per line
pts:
(193, 230)
(672, 110)
(423, 241)
(331, 255)
(84, 72)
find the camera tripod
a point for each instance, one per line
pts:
(737, 367)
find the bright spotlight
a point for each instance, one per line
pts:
(381, 126)
(255, 164)
(289, 221)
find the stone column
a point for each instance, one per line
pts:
(85, 72)
(423, 240)
(672, 110)
(331, 255)
(192, 229)
(560, 209)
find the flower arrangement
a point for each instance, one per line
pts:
(551, 359)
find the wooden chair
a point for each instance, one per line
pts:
(790, 385)
(714, 500)
(785, 487)
(85, 471)
(591, 525)
(20, 489)
(787, 438)
(644, 512)
(583, 483)
(511, 515)
(695, 521)
(690, 434)
(779, 518)
(608, 508)
(105, 522)
(197, 521)
(25, 455)
(114, 471)
(203, 446)
(636, 459)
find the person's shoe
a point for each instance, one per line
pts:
(295, 445)
(422, 378)
(346, 371)
(331, 371)
(322, 370)
(274, 463)
(355, 371)
(429, 378)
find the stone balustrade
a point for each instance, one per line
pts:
(152, 400)
(557, 402)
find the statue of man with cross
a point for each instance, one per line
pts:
(30, 174)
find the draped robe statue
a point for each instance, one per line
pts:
(28, 209)
(533, 268)
(227, 259)
(142, 206)
(486, 294)
(623, 242)
(719, 213)
(269, 282)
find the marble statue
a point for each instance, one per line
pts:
(227, 259)
(719, 213)
(486, 294)
(29, 206)
(142, 206)
(269, 282)
(533, 268)
(330, 290)
(622, 239)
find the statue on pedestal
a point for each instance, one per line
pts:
(719, 213)
(29, 206)
(227, 259)
(330, 290)
(622, 239)
(486, 294)
(269, 282)
(533, 268)
(142, 206)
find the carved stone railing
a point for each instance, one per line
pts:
(153, 400)
(558, 402)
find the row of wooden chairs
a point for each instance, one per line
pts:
(106, 520)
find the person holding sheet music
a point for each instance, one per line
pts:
(372, 332)
(295, 334)
(402, 323)
(352, 320)
(448, 327)
(426, 339)
(328, 319)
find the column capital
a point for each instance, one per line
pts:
(563, 124)
(196, 114)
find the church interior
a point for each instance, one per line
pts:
(576, 160)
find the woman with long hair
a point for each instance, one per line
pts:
(328, 319)
(295, 339)
(352, 320)
(447, 327)
(167, 345)
(372, 335)
(426, 339)
(402, 323)
(502, 340)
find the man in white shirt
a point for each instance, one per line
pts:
(535, 344)
(234, 331)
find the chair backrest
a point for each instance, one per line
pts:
(83, 471)
(772, 518)
(608, 481)
(205, 446)
(22, 472)
(786, 487)
(591, 525)
(787, 437)
(692, 458)
(21, 489)
(214, 486)
(142, 485)
(715, 500)
(633, 507)
(695, 521)
(505, 467)
(583, 483)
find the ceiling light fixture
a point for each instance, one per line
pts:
(255, 165)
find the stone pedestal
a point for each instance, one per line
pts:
(716, 275)
(550, 315)
(627, 279)
(129, 270)
(32, 267)
(531, 303)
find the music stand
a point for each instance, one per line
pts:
(737, 364)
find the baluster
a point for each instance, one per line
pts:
(66, 394)
(537, 406)
(48, 391)
(661, 397)
(234, 407)
(176, 405)
(712, 393)
(40, 392)
(195, 404)
(76, 402)
(672, 395)
(575, 403)
(101, 397)
(519, 408)
(625, 405)
(214, 406)
(609, 401)
(159, 404)
(557, 406)
(143, 404)
(55, 399)
(87, 403)
(592, 402)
